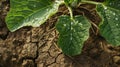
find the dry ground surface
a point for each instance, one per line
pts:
(37, 47)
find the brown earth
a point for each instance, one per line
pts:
(36, 47)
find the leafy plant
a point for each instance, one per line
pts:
(73, 29)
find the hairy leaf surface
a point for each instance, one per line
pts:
(110, 26)
(30, 12)
(73, 33)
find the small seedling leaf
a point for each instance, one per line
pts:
(73, 34)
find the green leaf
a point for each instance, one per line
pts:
(110, 25)
(30, 12)
(73, 34)
(115, 4)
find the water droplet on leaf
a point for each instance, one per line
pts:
(116, 18)
(64, 24)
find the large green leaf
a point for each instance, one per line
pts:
(30, 12)
(73, 33)
(110, 25)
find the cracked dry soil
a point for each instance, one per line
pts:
(37, 47)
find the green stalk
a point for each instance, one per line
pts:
(71, 12)
(91, 2)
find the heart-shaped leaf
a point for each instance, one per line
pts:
(73, 34)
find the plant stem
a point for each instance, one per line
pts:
(60, 2)
(91, 2)
(71, 12)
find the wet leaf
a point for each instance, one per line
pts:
(30, 12)
(73, 33)
(110, 25)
